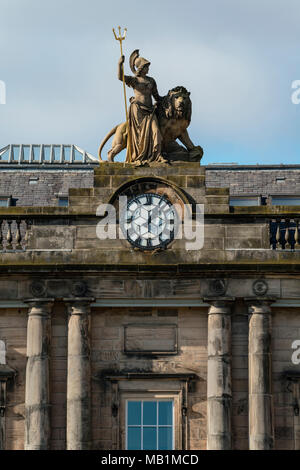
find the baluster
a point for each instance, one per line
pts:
(28, 224)
(18, 236)
(278, 234)
(9, 235)
(292, 230)
(1, 236)
(287, 235)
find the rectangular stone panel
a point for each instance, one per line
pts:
(150, 339)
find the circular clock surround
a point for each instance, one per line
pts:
(149, 221)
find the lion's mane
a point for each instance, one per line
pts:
(166, 108)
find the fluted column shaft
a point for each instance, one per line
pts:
(219, 396)
(261, 422)
(37, 399)
(79, 375)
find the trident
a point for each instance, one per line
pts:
(120, 39)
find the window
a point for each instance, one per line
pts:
(63, 201)
(285, 200)
(149, 410)
(245, 201)
(33, 180)
(5, 201)
(149, 425)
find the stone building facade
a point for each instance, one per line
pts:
(90, 328)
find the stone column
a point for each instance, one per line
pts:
(79, 375)
(37, 399)
(261, 422)
(219, 374)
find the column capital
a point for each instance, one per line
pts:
(78, 305)
(39, 306)
(259, 305)
(220, 305)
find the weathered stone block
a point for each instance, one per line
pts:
(214, 231)
(195, 181)
(102, 181)
(217, 200)
(48, 237)
(151, 339)
(79, 192)
(244, 231)
(178, 180)
(242, 243)
(216, 208)
(217, 191)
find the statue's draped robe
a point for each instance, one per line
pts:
(144, 134)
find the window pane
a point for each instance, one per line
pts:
(165, 413)
(134, 439)
(4, 156)
(36, 152)
(149, 412)
(63, 202)
(77, 156)
(26, 153)
(56, 153)
(4, 202)
(67, 153)
(285, 201)
(46, 153)
(165, 438)
(149, 438)
(244, 201)
(15, 152)
(134, 413)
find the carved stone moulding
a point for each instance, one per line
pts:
(217, 287)
(154, 185)
(38, 288)
(78, 288)
(260, 287)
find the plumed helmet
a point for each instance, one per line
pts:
(141, 62)
(137, 63)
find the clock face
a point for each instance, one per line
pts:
(149, 221)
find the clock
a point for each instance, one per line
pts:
(149, 221)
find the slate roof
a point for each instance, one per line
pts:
(261, 180)
(45, 190)
(35, 175)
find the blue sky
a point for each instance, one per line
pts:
(238, 59)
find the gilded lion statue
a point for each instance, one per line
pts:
(174, 116)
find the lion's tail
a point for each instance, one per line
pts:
(106, 138)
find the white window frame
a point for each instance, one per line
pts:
(151, 390)
(153, 399)
(150, 386)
